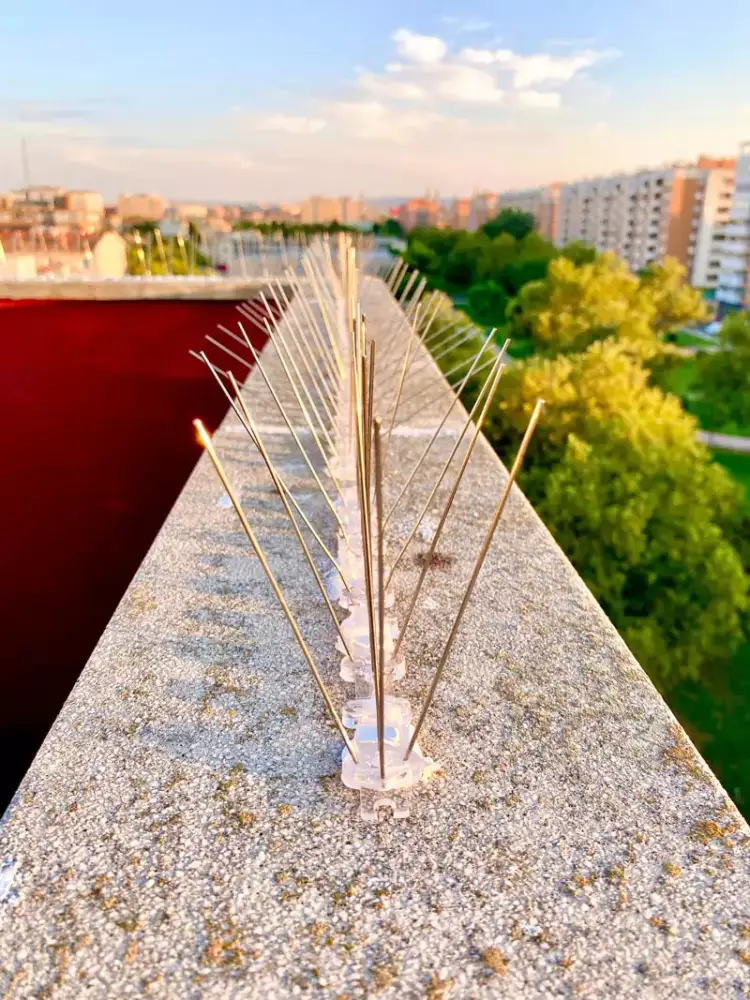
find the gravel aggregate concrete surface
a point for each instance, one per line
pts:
(183, 831)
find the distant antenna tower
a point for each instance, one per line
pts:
(25, 165)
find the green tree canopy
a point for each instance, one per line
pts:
(577, 304)
(512, 221)
(500, 252)
(533, 257)
(674, 301)
(389, 227)
(724, 377)
(579, 252)
(459, 259)
(462, 266)
(488, 303)
(574, 306)
(617, 474)
(423, 257)
(294, 228)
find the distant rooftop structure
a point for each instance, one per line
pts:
(141, 207)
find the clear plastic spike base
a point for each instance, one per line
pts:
(390, 786)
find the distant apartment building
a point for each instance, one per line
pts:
(46, 211)
(189, 211)
(141, 207)
(284, 212)
(484, 206)
(715, 191)
(317, 210)
(543, 203)
(39, 194)
(352, 210)
(459, 215)
(420, 212)
(674, 211)
(323, 211)
(733, 291)
(86, 209)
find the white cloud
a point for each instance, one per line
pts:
(396, 90)
(447, 80)
(538, 98)
(467, 84)
(292, 124)
(485, 57)
(428, 73)
(419, 48)
(373, 120)
(545, 68)
(541, 67)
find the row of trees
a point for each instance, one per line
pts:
(655, 527)
(295, 228)
(489, 266)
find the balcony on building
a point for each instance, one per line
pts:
(734, 265)
(737, 229)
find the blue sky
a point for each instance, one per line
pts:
(251, 101)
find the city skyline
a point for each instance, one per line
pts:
(397, 99)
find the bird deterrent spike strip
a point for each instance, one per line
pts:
(343, 386)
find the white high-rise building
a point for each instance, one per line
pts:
(734, 270)
(675, 211)
(711, 214)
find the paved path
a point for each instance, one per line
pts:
(728, 441)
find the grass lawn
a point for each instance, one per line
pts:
(683, 382)
(716, 714)
(682, 378)
(686, 339)
(717, 718)
(737, 463)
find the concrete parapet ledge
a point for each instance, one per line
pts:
(133, 288)
(184, 833)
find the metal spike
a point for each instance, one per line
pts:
(208, 445)
(475, 573)
(488, 385)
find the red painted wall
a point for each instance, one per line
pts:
(97, 400)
